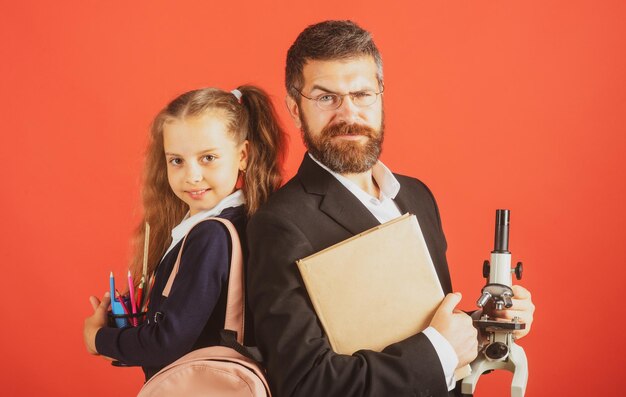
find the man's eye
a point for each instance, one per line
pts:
(327, 98)
(363, 94)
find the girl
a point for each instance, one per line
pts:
(204, 145)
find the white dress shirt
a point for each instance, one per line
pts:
(385, 209)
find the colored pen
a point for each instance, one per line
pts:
(131, 292)
(117, 306)
(112, 285)
(140, 294)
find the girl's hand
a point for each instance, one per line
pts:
(96, 321)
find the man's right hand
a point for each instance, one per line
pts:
(456, 326)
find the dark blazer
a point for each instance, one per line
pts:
(311, 212)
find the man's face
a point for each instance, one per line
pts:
(347, 139)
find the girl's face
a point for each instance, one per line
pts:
(203, 160)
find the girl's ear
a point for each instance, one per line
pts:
(243, 155)
(294, 111)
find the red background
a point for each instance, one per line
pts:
(494, 104)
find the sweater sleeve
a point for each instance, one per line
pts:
(202, 274)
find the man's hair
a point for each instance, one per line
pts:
(328, 41)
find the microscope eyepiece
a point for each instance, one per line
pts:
(501, 243)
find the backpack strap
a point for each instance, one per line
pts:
(235, 299)
(228, 338)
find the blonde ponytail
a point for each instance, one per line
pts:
(266, 148)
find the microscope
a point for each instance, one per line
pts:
(500, 352)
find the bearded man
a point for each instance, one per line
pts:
(334, 80)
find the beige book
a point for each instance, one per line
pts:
(374, 289)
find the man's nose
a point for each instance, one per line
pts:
(348, 111)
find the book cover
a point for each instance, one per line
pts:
(374, 289)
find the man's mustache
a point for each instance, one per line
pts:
(348, 129)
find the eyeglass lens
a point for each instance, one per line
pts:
(333, 101)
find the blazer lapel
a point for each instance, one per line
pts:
(402, 201)
(337, 201)
(406, 204)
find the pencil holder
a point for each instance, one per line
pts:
(126, 320)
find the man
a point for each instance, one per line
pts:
(334, 82)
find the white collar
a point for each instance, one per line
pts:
(386, 181)
(235, 199)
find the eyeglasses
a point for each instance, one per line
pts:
(332, 101)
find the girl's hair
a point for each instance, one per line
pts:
(251, 117)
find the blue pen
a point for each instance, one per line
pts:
(116, 305)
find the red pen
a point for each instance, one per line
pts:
(140, 294)
(131, 294)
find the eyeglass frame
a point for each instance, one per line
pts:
(341, 96)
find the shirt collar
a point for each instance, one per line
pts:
(233, 200)
(386, 181)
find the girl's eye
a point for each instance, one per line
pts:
(176, 161)
(208, 158)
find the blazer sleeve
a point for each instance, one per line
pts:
(202, 274)
(299, 359)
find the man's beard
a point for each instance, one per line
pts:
(344, 156)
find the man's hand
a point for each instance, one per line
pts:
(456, 326)
(523, 308)
(96, 321)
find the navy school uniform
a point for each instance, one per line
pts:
(193, 314)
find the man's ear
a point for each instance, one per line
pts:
(294, 111)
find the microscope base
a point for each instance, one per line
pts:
(516, 363)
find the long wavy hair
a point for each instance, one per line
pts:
(251, 117)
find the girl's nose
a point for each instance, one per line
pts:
(194, 175)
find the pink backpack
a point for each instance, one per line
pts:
(215, 370)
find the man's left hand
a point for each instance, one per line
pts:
(523, 308)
